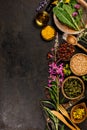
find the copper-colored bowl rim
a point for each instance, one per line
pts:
(76, 106)
(65, 28)
(73, 69)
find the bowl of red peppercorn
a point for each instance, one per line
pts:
(65, 51)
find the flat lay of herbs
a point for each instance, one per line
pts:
(69, 13)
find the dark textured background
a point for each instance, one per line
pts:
(23, 66)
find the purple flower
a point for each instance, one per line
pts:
(50, 56)
(41, 5)
(51, 78)
(49, 85)
(77, 6)
(52, 49)
(74, 14)
(54, 71)
(53, 65)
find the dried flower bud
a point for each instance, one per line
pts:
(74, 14)
(77, 6)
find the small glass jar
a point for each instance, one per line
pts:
(42, 18)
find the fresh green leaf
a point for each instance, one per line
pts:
(84, 77)
(63, 17)
(62, 100)
(53, 91)
(62, 128)
(69, 11)
(52, 117)
(68, 7)
(80, 15)
(50, 103)
(73, 2)
(67, 70)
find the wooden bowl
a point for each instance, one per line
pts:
(67, 29)
(78, 113)
(78, 64)
(74, 88)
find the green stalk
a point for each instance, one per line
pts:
(74, 22)
(53, 118)
(81, 18)
(57, 98)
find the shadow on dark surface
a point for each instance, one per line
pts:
(23, 67)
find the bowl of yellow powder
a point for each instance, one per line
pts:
(48, 33)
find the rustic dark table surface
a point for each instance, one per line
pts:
(23, 67)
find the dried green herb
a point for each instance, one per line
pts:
(73, 87)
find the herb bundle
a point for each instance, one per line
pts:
(70, 14)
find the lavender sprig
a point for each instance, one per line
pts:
(42, 4)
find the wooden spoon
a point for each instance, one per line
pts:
(61, 117)
(65, 113)
(83, 3)
(72, 40)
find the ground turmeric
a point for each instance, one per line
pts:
(48, 33)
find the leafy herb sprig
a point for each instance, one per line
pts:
(83, 37)
(69, 14)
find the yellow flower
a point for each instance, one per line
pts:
(55, 2)
(66, 1)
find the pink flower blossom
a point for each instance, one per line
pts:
(52, 77)
(54, 71)
(52, 49)
(77, 6)
(74, 14)
(49, 55)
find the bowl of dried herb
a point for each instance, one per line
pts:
(73, 87)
